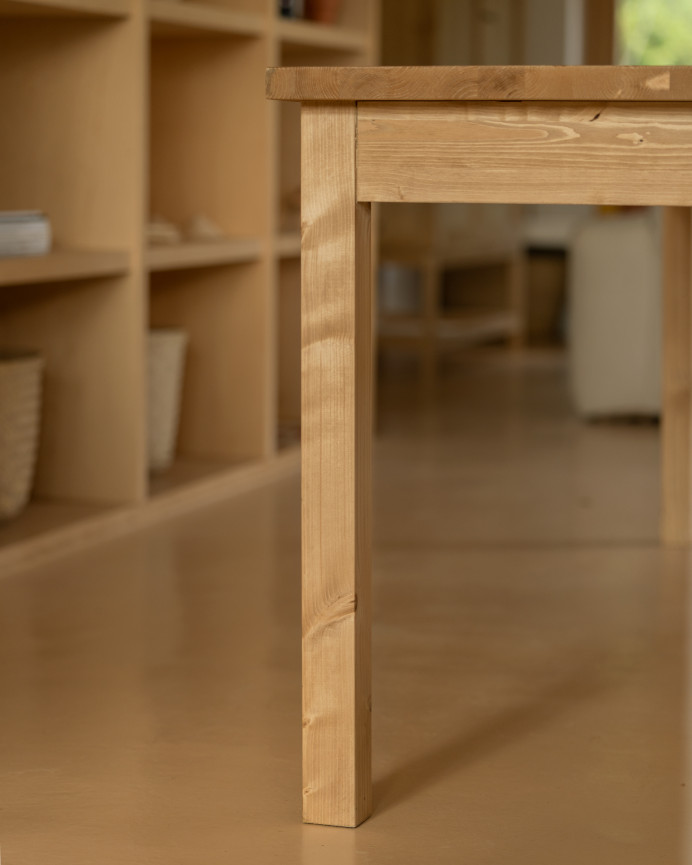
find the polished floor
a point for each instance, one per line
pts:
(529, 687)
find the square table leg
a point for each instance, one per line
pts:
(336, 438)
(676, 523)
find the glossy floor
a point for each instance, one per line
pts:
(529, 686)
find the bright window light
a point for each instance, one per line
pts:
(655, 32)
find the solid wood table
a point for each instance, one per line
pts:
(558, 135)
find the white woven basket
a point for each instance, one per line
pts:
(20, 416)
(166, 351)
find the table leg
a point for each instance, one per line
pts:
(336, 464)
(676, 523)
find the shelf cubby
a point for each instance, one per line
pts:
(90, 449)
(199, 154)
(223, 412)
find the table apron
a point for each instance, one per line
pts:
(626, 153)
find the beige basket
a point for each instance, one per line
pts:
(166, 351)
(20, 416)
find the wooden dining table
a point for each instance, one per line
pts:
(508, 134)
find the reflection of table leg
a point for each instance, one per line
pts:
(336, 454)
(677, 378)
(517, 301)
(430, 287)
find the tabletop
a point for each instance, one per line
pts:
(480, 83)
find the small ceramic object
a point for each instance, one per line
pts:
(324, 11)
(201, 228)
(161, 232)
(166, 360)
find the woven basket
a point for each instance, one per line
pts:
(166, 351)
(20, 416)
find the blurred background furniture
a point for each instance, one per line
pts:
(615, 315)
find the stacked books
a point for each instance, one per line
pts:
(24, 232)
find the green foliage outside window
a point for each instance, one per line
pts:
(655, 32)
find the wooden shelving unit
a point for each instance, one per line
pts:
(108, 104)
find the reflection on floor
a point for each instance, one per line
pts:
(529, 640)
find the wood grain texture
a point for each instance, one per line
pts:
(676, 527)
(336, 485)
(560, 153)
(481, 83)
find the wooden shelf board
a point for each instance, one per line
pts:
(63, 264)
(308, 34)
(64, 8)
(467, 329)
(185, 472)
(287, 244)
(50, 529)
(175, 18)
(183, 256)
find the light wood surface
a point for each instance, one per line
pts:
(482, 83)
(207, 254)
(63, 264)
(171, 17)
(676, 511)
(49, 530)
(540, 151)
(67, 8)
(307, 34)
(336, 442)
(559, 153)
(529, 666)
